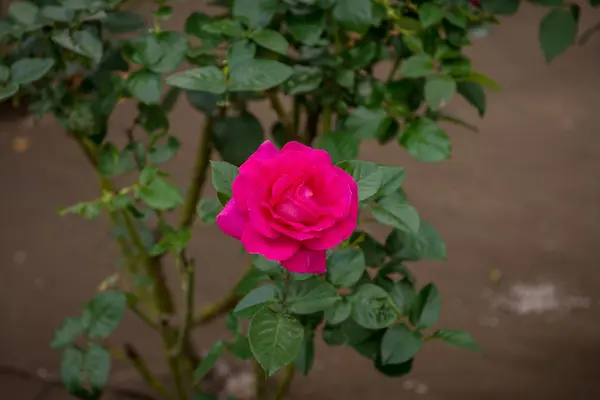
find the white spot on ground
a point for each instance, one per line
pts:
(241, 385)
(19, 257)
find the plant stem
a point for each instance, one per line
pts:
(188, 313)
(312, 125)
(212, 311)
(395, 66)
(203, 154)
(286, 383)
(326, 120)
(283, 115)
(140, 365)
(261, 382)
(296, 113)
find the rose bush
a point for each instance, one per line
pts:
(291, 206)
(303, 212)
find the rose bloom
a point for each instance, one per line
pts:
(291, 206)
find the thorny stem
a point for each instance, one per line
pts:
(286, 383)
(284, 116)
(140, 365)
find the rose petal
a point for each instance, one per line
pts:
(306, 261)
(316, 156)
(266, 151)
(278, 249)
(232, 220)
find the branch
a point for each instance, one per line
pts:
(286, 383)
(285, 118)
(261, 382)
(140, 365)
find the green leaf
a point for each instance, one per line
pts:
(439, 90)
(161, 195)
(392, 211)
(346, 266)
(558, 31)
(426, 141)
(90, 45)
(97, 366)
(269, 267)
(404, 295)
(373, 308)
(24, 12)
(474, 94)
(427, 308)
(173, 49)
(202, 101)
(367, 123)
(145, 85)
(237, 137)
(103, 314)
(108, 160)
(241, 348)
(209, 361)
(225, 27)
(368, 177)
(305, 79)
(396, 266)
(223, 175)
(504, 7)
(483, 80)
(123, 22)
(208, 209)
(373, 250)
(393, 177)
(4, 73)
(259, 75)
(71, 330)
(27, 70)
(257, 13)
(271, 40)
(427, 244)
(548, 3)
(256, 299)
(8, 91)
(163, 152)
(306, 28)
(310, 295)
(399, 344)
(338, 312)
(72, 371)
(460, 339)
(393, 370)
(417, 66)
(57, 13)
(354, 15)
(306, 357)
(275, 339)
(249, 281)
(431, 14)
(206, 79)
(341, 146)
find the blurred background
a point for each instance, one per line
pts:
(518, 206)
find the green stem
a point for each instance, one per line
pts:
(283, 115)
(142, 367)
(286, 383)
(188, 277)
(203, 154)
(336, 34)
(296, 113)
(326, 120)
(261, 382)
(395, 66)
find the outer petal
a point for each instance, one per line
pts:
(232, 220)
(280, 248)
(306, 261)
(266, 151)
(317, 156)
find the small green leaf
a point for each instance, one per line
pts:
(224, 27)
(427, 308)
(460, 339)
(393, 177)
(373, 308)
(206, 79)
(275, 339)
(24, 12)
(392, 211)
(341, 146)
(306, 28)
(338, 312)
(255, 300)
(431, 14)
(311, 295)
(417, 66)
(57, 13)
(474, 94)
(223, 175)
(72, 372)
(354, 15)
(346, 266)
(404, 295)
(367, 123)
(8, 91)
(368, 177)
(97, 366)
(145, 85)
(208, 209)
(504, 7)
(399, 344)
(558, 31)
(4, 73)
(108, 160)
(205, 102)
(161, 195)
(71, 330)
(259, 75)
(237, 137)
(163, 152)
(305, 79)
(269, 267)
(103, 314)
(89, 44)
(209, 360)
(427, 244)
(483, 80)
(241, 348)
(27, 70)
(256, 13)
(439, 90)
(426, 141)
(271, 40)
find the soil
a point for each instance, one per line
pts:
(518, 204)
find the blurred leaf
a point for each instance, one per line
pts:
(372, 307)
(72, 372)
(208, 361)
(90, 45)
(256, 13)
(393, 177)
(8, 91)
(304, 79)
(271, 40)
(367, 123)
(431, 14)
(123, 22)
(426, 141)
(237, 137)
(439, 90)
(460, 339)
(399, 345)
(161, 195)
(341, 146)
(338, 312)
(504, 7)
(311, 295)
(224, 27)
(145, 85)
(206, 79)
(258, 75)
(163, 152)
(97, 364)
(558, 31)
(417, 66)
(474, 94)
(57, 13)
(306, 28)
(392, 211)
(427, 244)
(427, 308)
(108, 160)
(223, 174)
(256, 299)
(346, 266)
(24, 12)
(28, 70)
(70, 331)
(306, 357)
(368, 177)
(103, 314)
(354, 15)
(208, 209)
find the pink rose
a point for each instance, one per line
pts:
(291, 206)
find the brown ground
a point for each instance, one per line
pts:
(521, 198)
